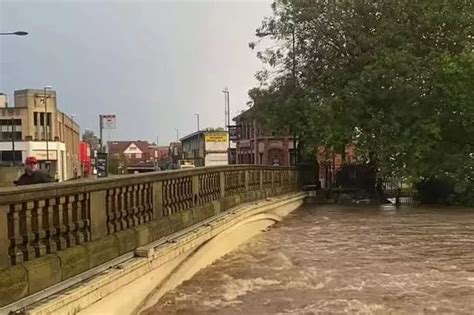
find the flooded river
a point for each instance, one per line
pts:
(337, 260)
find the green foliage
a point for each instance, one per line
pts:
(89, 137)
(393, 78)
(118, 164)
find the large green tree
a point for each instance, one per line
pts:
(395, 78)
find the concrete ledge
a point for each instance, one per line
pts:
(159, 228)
(102, 250)
(179, 221)
(143, 235)
(73, 261)
(160, 261)
(13, 284)
(42, 273)
(17, 282)
(126, 241)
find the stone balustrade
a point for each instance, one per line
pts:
(52, 232)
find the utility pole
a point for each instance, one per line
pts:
(45, 122)
(101, 129)
(226, 108)
(177, 135)
(197, 117)
(13, 141)
(227, 119)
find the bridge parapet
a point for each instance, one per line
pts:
(52, 232)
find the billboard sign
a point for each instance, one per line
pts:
(108, 121)
(233, 136)
(216, 137)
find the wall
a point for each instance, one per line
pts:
(52, 232)
(9, 174)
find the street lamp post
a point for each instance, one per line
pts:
(226, 108)
(17, 33)
(75, 146)
(45, 122)
(227, 118)
(13, 141)
(197, 118)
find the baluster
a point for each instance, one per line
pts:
(71, 226)
(16, 239)
(116, 210)
(109, 206)
(139, 204)
(147, 202)
(166, 198)
(51, 232)
(38, 227)
(26, 227)
(129, 206)
(174, 191)
(58, 218)
(121, 210)
(189, 192)
(77, 208)
(86, 217)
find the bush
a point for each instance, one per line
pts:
(435, 191)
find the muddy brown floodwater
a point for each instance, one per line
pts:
(339, 260)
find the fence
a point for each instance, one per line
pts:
(94, 217)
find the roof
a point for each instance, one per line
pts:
(201, 132)
(243, 114)
(35, 91)
(121, 146)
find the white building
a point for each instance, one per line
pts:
(206, 148)
(35, 127)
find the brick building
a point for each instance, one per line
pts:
(136, 156)
(255, 145)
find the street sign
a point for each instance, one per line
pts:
(216, 137)
(109, 121)
(101, 165)
(233, 136)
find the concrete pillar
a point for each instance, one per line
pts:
(98, 214)
(157, 200)
(4, 240)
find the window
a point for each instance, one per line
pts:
(138, 155)
(8, 126)
(6, 158)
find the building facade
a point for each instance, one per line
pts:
(135, 156)
(206, 148)
(36, 127)
(256, 145)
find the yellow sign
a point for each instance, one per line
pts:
(216, 137)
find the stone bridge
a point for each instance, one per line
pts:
(55, 237)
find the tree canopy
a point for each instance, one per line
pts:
(394, 78)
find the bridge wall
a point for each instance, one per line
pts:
(50, 233)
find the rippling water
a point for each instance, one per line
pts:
(336, 260)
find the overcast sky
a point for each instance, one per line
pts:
(152, 63)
